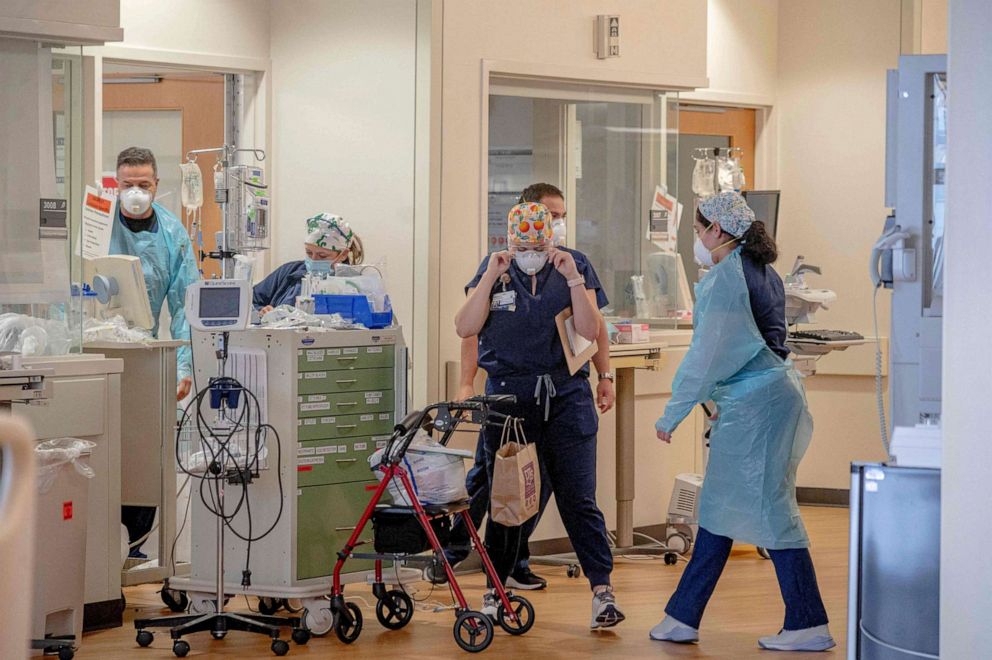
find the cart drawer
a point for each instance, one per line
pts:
(344, 426)
(355, 357)
(322, 462)
(350, 403)
(325, 518)
(352, 380)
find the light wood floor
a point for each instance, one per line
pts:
(746, 605)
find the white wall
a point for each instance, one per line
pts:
(343, 74)
(966, 490)
(238, 28)
(741, 51)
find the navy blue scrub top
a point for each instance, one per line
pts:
(767, 295)
(525, 341)
(281, 287)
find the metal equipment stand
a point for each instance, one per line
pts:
(220, 622)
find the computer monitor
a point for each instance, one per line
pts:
(764, 203)
(120, 286)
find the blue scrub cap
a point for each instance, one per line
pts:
(730, 210)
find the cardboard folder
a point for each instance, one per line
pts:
(578, 349)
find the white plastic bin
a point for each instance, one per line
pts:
(60, 540)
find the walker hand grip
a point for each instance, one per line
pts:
(409, 421)
(492, 399)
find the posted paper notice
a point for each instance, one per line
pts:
(99, 211)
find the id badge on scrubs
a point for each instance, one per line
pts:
(504, 301)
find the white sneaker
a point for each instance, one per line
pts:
(490, 604)
(673, 630)
(605, 613)
(808, 639)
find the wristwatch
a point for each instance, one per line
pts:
(607, 375)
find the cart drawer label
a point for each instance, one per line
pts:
(374, 349)
(309, 407)
(385, 417)
(368, 418)
(328, 420)
(351, 351)
(342, 449)
(315, 460)
(361, 446)
(379, 444)
(334, 351)
(315, 355)
(327, 450)
(305, 451)
(314, 375)
(316, 397)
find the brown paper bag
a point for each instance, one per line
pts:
(516, 488)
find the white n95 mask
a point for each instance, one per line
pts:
(135, 201)
(558, 232)
(530, 261)
(702, 254)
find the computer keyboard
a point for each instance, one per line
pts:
(825, 335)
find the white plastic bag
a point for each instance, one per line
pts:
(53, 454)
(436, 472)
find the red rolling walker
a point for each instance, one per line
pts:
(473, 630)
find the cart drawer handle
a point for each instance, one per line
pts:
(346, 382)
(348, 403)
(349, 359)
(344, 529)
(347, 426)
(347, 460)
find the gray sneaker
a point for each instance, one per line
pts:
(810, 639)
(490, 604)
(605, 613)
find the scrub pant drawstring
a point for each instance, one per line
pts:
(548, 384)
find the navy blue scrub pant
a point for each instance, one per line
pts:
(566, 448)
(796, 579)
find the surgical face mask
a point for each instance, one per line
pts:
(135, 201)
(559, 232)
(530, 261)
(702, 254)
(318, 266)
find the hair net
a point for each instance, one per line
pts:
(730, 210)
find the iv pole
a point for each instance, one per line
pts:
(219, 622)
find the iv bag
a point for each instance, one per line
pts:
(702, 177)
(725, 174)
(738, 174)
(192, 185)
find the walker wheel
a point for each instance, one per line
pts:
(574, 571)
(525, 615)
(394, 610)
(671, 559)
(175, 600)
(269, 606)
(349, 632)
(280, 646)
(66, 652)
(144, 638)
(180, 648)
(301, 636)
(473, 631)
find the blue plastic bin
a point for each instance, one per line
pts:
(353, 308)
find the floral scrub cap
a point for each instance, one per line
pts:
(329, 231)
(528, 224)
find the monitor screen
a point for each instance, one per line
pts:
(764, 203)
(220, 302)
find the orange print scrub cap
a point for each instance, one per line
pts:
(528, 224)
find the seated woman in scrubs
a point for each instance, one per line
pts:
(330, 241)
(761, 429)
(512, 303)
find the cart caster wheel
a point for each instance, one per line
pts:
(218, 634)
(763, 553)
(473, 631)
(671, 559)
(280, 646)
(269, 606)
(319, 621)
(525, 616)
(346, 632)
(180, 648)
(292, 605)
(177, 601)
(301, 636)
(574, 571)
(144, 638)
(66, 652)
(394, 610)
